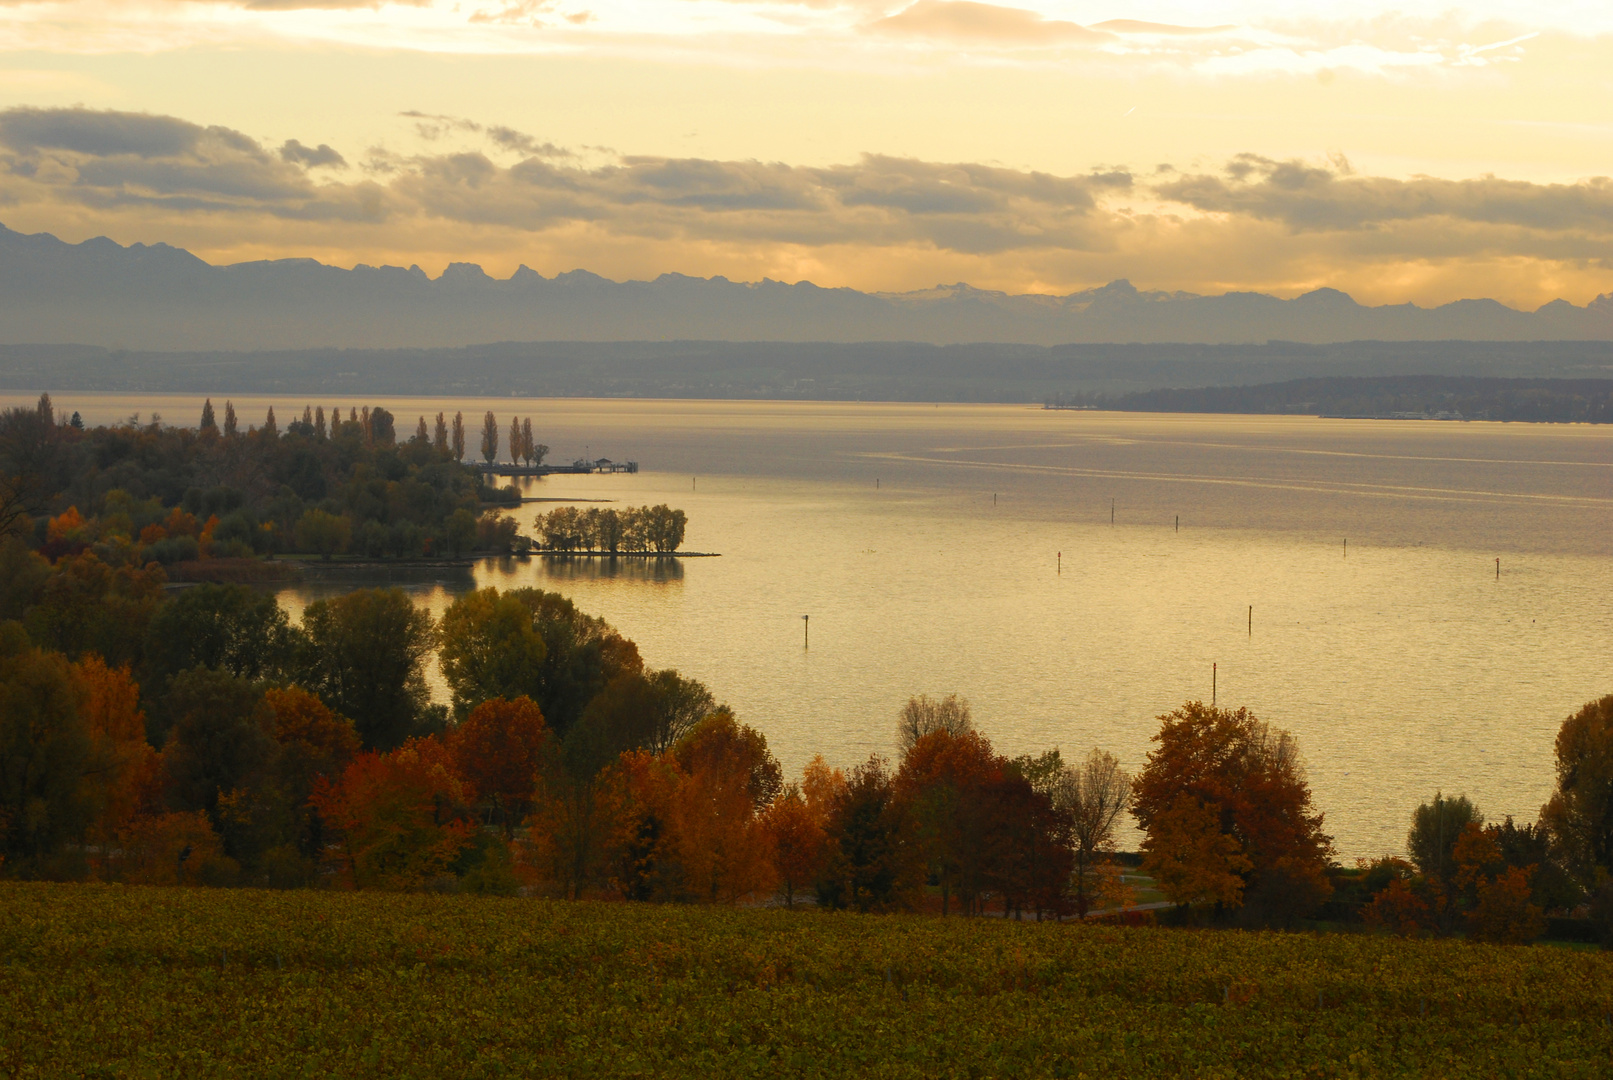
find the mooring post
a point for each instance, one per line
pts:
(1111, 512)
(806, 627)
(1251, 620)
(1059, 565)
(1178, 522)
(1498, 568)
(1212, 684)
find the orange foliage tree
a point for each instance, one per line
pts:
(400, 817)
(498, 750)
(131, 779)
(1224, 797)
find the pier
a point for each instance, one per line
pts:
(578, 467)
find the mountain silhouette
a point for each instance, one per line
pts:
(157, 297)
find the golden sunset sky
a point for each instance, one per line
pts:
(1413, 152)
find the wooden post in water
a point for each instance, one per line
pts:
(1212, 684)
(1498, 568)
(1059, 565)
(1178, 522)
(1251, 620)
(994, 498)
(806, 626)
(1111, 512)
(1346, 547)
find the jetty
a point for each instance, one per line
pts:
(580, 466)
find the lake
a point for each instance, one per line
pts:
(1075, 574)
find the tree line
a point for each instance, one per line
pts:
(634, 529)
(135, 493)
(202, 738)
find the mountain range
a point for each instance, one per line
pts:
(161, 298)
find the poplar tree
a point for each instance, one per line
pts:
(489, 436)
(319, 421)
(528, 447)
(459, 436)
(420, 432)
(208, 421)
(230, 426)
(270, 428)
(515, 440)
(439, 437)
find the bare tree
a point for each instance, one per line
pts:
(1094, 793)
(923, 715)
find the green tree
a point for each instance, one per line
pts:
(460, 531)
(873, 863)
(490, 437)
(459, 436)
(218, 741)
(490, 649)
(234, 628)
(1580, 813)
(323, 532)
(680, 704)
(1436, 826)
(365, 657)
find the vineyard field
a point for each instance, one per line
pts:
(111, 981)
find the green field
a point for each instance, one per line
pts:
(114, 981)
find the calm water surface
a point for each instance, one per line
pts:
(970, 549)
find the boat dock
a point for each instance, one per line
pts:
(578, 467)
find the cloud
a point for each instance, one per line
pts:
(298, 154)
(966, 21)
(878, 222)
(435, 126)
(1308, 196)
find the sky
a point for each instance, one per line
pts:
(1403, 153)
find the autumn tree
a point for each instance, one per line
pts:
(498, 751)
(872, 862)
(924, 714)
(400, 819)
(47, 755)
(28, 444)
(1580, 812)
(130, 782)
(1227, 817)
(458, 441)
(796, 836)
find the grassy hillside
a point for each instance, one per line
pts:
(111, 981)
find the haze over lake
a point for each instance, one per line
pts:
(1404, 667)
